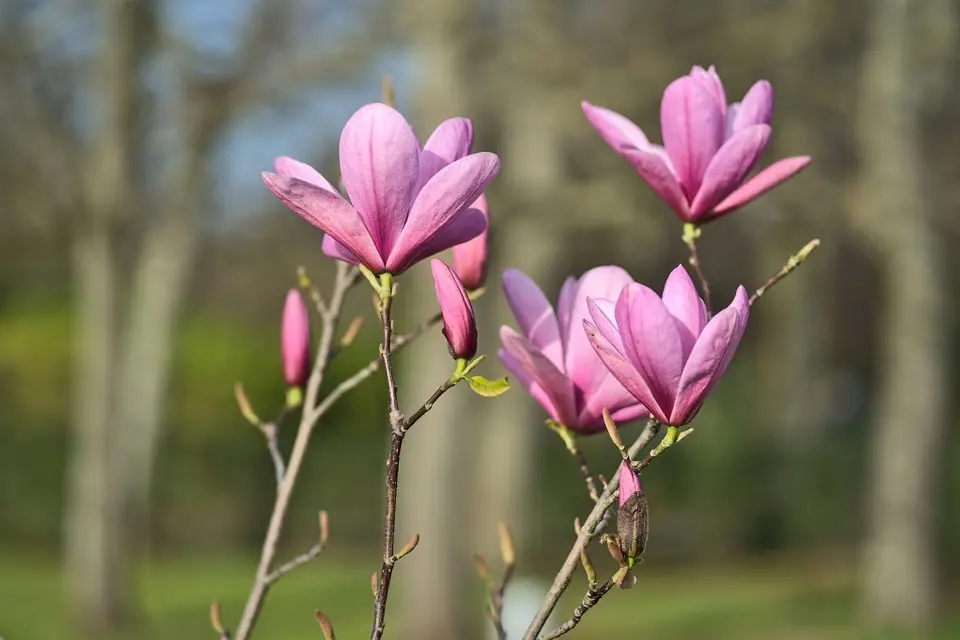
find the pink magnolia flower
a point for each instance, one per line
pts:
(629, 483)
(470, 258)
(664, 351)
(632, 516)
(459, 324)
(551, 356)
(295, 340)
(406, 203)
(708, 149)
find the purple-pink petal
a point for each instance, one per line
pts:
(655, 171)
(568, 293)
(466, 226)
(759, 184)
(616, 130)
(534, 314)
(334, 249)
(470, 257)
(580, 361)
(755, 108)
(542, 371)
(711, 80)
(684, 304)
(609, 395)
(694, 127)
(450, 141)
(710, 358)
(603, 312)
(729, 167)
(286, 166)
(452, 190)
(379, 165)
(525, 379)
(651, 341)
(328, 212)
(623, 371)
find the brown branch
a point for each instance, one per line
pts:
(585, 471)
(593, 526)
(496, 590)
(589, 601)
(345, 279)
(691, 233)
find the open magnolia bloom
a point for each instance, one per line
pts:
(663, 350)
(407, 203)
(552, 357)
(708, 149)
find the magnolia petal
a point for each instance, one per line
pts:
(694, 127)
(621, 369)
(729, 167)
(328, 212)
(525, 379)
(609, 395)
(379, 164)
(459, 324)
(287, 166)
(655, 171)
(466, 226)
(602, 313)
(334, 249)
(616, 130)
(453, 189)
(767, 179)
(534, 314)
(755, 108)
(710, 358)
(581, 362)
(684, 304)
(711, 80)
(565, 308)
(651, 342)
(555, 385)
(450, 141)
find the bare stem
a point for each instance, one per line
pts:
(589, 601)
(346, 278)
(397, 432)
(592, 527)
(792, 263)
(691, 233)
(270, 434)
(585, 471)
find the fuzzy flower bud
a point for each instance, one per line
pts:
(632, 516)
(295, 340)
(459, 324)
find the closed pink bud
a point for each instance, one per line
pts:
(459, 324)
(295, 340)
(470, 258)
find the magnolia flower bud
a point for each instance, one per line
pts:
(459, 324)
(295, 340)
(632, 516)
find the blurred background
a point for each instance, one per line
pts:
(144, 267)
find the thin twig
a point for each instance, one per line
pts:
(585, 471)
(300, 560)
(589, 601)
(792, 263)
(398, 428)
(496, 590)
(273, 446)
(345, 279)
(393, 464)
(591, 527)
(691, 233)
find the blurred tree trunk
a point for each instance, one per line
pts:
(94, 540)
(431, 583)
(92, 525)
(899, 581)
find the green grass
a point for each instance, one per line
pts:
(782, 600)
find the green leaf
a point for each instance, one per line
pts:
(488, 388)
